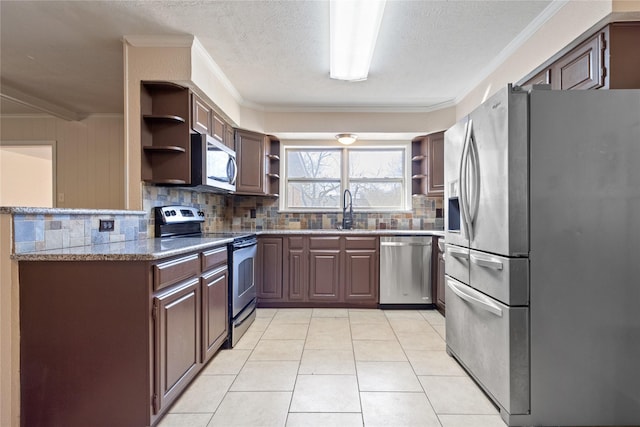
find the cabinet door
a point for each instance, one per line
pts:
(542, 78)
(435, 179)
(177, 341)
(229, 135)
(361, 275)
(324, 275)
(581, 68)
(296, 268)
(269, 269)
(250, 152)
(218, 127)
(200, 115)
(324, 269)
(215, 315)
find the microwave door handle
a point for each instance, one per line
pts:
(234, 165)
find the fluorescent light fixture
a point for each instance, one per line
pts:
(346, 138)
(354, 26)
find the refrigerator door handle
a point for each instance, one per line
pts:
(464, 159)
(488, 262)
(475, 167)
(458, 253)
(476, 300)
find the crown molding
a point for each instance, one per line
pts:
(359, 109)
(159, 40)
(15, 95)
(513, 46)
(217, 71)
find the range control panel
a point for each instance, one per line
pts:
(178, 214)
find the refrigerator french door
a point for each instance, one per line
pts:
(542, 202)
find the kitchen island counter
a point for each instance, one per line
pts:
(130, 250)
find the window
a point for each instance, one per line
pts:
(316, 176)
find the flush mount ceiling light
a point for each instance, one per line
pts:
(354, 26)
(346, 138)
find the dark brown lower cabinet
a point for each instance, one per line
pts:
(320, 271)
(269, 269)
(114, 343)
(176, 316)
(215, 311)
(296, 268)
(324, 269)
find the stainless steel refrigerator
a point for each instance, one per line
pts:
(542, 230)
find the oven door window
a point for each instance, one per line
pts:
(244, 288)
(245, 276)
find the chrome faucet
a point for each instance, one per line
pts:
(347, 217)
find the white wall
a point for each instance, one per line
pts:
(28, 166)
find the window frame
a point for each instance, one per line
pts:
(406, 180)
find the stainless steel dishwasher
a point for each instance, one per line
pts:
(405, 272)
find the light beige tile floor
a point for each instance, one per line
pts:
(336, 367)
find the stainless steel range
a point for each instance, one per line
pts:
(173, 222)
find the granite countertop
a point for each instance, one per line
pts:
(439, 233)
(155, 248)
(66, 211)
(130, 250)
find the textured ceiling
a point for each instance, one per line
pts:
(275, 53)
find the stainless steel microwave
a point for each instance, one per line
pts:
(213, 164)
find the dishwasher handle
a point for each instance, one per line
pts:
(405, 243)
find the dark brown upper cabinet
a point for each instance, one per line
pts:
(427, 165)
(606, 59)
(258, 163)
(200, 116)
(250, 153)
(165, 133)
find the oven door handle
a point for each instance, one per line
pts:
(476, 300)
(247, 317)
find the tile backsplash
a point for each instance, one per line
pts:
(261, 213)
(38, 231)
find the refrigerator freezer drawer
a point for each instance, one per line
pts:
(491, 340)
(502, 278)
(456, 262)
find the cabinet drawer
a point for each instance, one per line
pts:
(328, 242)
(361, 242)
(175, 270)
(214, 258)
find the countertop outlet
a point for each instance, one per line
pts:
(106, 225)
